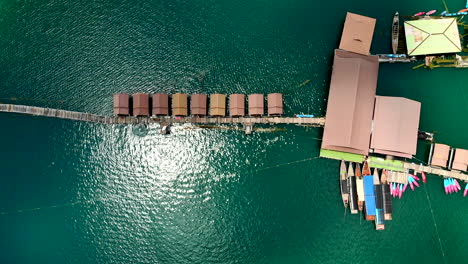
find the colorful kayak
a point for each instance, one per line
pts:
(431, 12)
(423, 175)
(304, 116)
(445, 186)
(466, 190)
(457, 185)
(419, 14)
(463, 10)
(400, 191)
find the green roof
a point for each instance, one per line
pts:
(339, 155)
(394, 165)
(432, 36)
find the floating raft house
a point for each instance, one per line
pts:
(218, 105)
(396, 123)
(275, 104)
(256, 105)
(237, 105)
(357, 33)
(460, 160)
(198, 104)
(351, 103)
(121, 104)
(160, 104)
(432, 36)
(141, 104)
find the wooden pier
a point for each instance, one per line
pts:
(71, 115)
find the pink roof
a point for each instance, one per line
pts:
(357, 33)
(256, 104)
(141, 104)
(121, 104)
(440, 155)
(160, 104)
(396, 123)
(460, 161)
(198, 104)
(351, 103)
(237, 105)
(275, 104)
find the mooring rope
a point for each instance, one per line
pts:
(285, 164)
(435, 224)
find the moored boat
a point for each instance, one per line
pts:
(344, 184)
(359, 187)
(369, 195)
(387, 199)
(379, 205)
(419, 14)
(353, 199)
(365, 169)
(395, 32)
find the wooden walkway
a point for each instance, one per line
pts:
(437, 171)
(402, 177)
(64, 114)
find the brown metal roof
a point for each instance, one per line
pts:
(140, 104)
(357, 33)
(198, 104)
(256, 104)
(121, 104)
(460, 161)
(218, 104)
(160, 104)
(351, 103)
(275, 104)
(396, 123)
(440, 155)
(179, 104)
(237, 105)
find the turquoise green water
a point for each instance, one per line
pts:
(75, 192)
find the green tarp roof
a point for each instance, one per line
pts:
(432, 36)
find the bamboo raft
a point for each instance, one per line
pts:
(87, 117)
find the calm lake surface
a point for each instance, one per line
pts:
(74, 192)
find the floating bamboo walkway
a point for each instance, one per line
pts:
(436, 171)
(402, 177)
(71, 115)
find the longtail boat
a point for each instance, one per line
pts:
(344, 184)
(379, 204)
(353, 199)
(359, 187)
(366, 170)
(395, 32)
(387, 199)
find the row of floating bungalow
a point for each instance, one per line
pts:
(158, 104)
(444, 156)
(375, 131)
